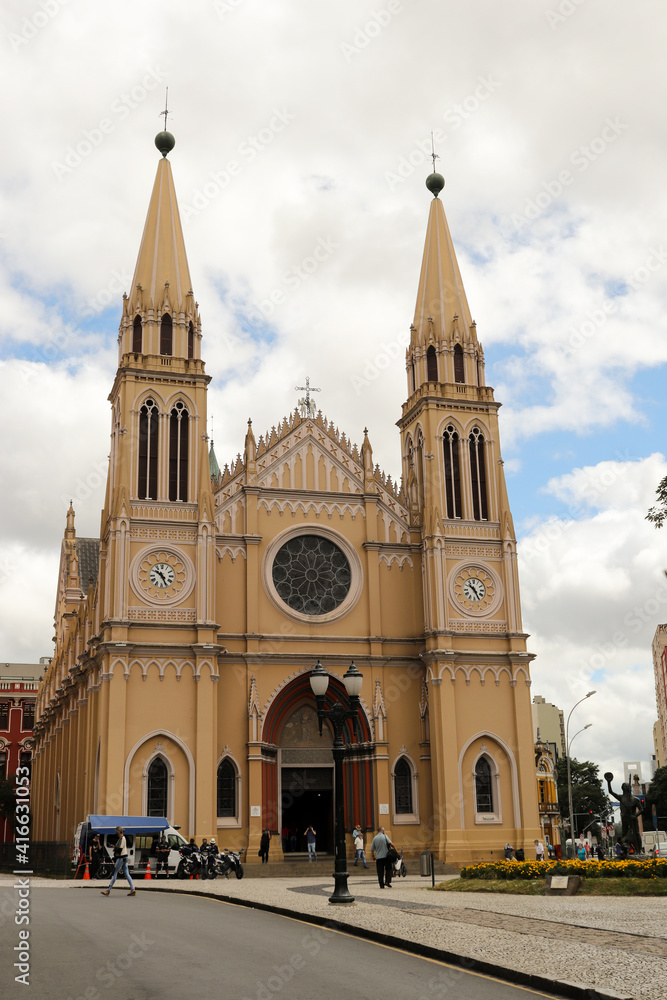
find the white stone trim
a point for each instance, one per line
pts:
(356, 582)
(191, 773)
(405, 818)
(229, 822)
(514, 777)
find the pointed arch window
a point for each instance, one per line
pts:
(137, 336)
(478, 475)
(403, 786)
(178, 453)
(3, 765)
(452, 472)
(483, 786)
(414, 378)
(459, 371)
(157, 788)
(148, 445)
(226, 789)
(191, 341)
(166, 335)
(432, 364)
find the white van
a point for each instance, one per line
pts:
(141, 834)
(653, 838)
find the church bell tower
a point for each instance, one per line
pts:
(453, 470)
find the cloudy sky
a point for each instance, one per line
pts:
(302, 126)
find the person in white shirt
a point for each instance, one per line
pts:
(539, 850)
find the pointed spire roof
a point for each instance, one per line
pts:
(162, 257)
(441, 298)
(213, 462)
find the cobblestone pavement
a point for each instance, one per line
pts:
(614, 944)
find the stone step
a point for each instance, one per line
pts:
(296, 866)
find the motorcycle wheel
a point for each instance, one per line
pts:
(212, 873)
(239, 871)
(180, 871)
(404, 871)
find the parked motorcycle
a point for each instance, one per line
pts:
(191, 863)
(228, 861)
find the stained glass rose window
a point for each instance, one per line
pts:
(311, 574)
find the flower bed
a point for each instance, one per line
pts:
(585, 869)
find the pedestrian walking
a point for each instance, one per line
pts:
(359, 846)
(311, 836)
(264, 845)
(120, 853)
(539, 850)
(380, 849)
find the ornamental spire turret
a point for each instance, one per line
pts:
(443, 335)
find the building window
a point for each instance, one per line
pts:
(403, 787)
(148, 443)
(4, 715)
(166, 335)
(191, 341)
(311, 574)
(483, 786)
(459, 371)
(26, 760)
(178, 453)
(432, 364)
(226, 789)
(157, 788)
(452, 472)
(414, 377)
(28, 715)
(478, 475)
(3, 765)
(137, 339)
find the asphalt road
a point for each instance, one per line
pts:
(155, 946)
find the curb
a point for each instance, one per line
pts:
(557, 987)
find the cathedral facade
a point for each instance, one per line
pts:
(186, 634)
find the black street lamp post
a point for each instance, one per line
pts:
(338, 716)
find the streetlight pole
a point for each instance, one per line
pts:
(338, 715)
(568, 744)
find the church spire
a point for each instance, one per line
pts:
(443, 335)
(162, 265)
(160, 315)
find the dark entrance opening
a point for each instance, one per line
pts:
(307, 799)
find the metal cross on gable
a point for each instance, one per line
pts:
(307, 388)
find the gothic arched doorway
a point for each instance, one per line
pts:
(298, 773)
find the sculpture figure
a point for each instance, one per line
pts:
(631, 808)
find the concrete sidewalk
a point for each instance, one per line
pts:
(576, 946)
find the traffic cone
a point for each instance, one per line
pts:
(86, 874)
(148, 876)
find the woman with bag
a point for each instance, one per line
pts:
(385, 855)
(120, 853)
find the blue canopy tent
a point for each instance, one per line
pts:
(130, 824)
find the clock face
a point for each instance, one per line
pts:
(161, 575)
(474, 589)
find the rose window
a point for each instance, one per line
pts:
(311, 574)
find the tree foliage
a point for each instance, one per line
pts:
(658, 514)
(588, 798)
(656, 794)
